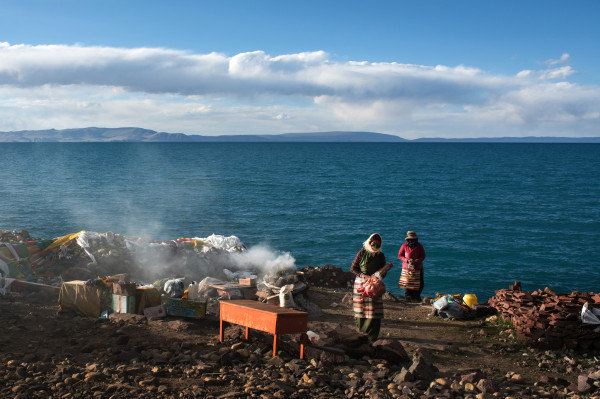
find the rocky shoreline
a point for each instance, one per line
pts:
(48, 354)
(535, 348)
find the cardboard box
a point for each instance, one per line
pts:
(88, 300)
(127, 289)
(228, 291)
(123, 303)
(155, 312)
(185, 308)
(247, 282)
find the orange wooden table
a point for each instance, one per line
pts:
(263, 317)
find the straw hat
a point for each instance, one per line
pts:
(411, 235)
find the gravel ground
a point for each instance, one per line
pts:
(47, 354)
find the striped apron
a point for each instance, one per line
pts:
(363, 307)
(411, 280)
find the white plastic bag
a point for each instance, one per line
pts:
(174, 287)
(198, 290)
(441, 303)
(4, 270)
(313, 337)
(590, 315)
(285, 296)
(5, 283)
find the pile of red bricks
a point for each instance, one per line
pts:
(544, 318)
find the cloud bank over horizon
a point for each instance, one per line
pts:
(65, 86)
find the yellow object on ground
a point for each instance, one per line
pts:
(470, 300)
(83, 299)
(62, 240)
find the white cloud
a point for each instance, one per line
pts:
(281, 116)
(564, 58)
(156, 70)
(253, 92)
(557, 73)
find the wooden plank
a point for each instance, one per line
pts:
(259, 306)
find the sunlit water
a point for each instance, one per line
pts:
(487, 214)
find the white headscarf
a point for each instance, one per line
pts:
(367, 244)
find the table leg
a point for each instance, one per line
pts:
(303, 341)
(274, 345)
(247, 334)
(221, 334)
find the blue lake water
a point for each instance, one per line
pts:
(487, 214)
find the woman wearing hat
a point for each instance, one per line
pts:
(368, 312)
(412, 255)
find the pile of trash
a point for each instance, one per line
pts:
(85, 254)
(114, 296)
(287, 287)
(547, 319)
(185, 269)
(14, 236)
(459, 307)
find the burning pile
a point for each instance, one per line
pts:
(547, 319)
(85, 255)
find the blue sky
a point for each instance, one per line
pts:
(456, 68)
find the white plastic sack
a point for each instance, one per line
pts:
(5, 283)
(285, 296)
(83, 240)
(219, 242)
(441, 303)
(4, 270)
(313, 337)
(590, 315)
(198, 290)
(452, 311)
(174, 287)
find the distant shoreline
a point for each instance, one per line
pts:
(137, 135)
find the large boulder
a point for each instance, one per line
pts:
(403, 376)
(422, 367)
(390, 350)
(342, 338)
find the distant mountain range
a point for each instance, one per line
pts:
(136, 134)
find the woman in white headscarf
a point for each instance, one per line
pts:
(368, 312)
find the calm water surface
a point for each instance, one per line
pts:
(486, 213)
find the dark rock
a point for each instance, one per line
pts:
(178, 325)
(326, 276)
(325, 354)
(584, 384)
(403, 376)
(471, 377)
(422, 367)
(335, 335)
(486, 386)
(390, 350)
(595, 375)
(231, 395)
(128, 318)
(484, 311)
